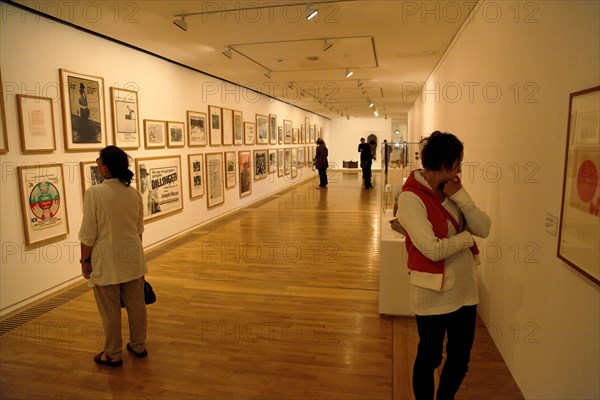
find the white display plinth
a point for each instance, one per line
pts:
(394, 285)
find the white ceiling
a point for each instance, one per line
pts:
(391, 46)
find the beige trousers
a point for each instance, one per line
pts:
(108, 300)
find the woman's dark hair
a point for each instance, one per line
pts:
(117, 162)
(319, 141)
(440, 151)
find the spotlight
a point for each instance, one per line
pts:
(349, 73)
(181, 24)
(360, 83)
(268, 74)
(227, 53)
(310, 13)
(327, 45)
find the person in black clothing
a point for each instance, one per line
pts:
(321, 163)
(362, 144)
(366, 160)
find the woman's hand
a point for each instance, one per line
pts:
(451, 187)
(86, 270)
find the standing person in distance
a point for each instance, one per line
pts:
(112, 255)
(440, 221)
(366, 161)
(321, 163)
(361, 146)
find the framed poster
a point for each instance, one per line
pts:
(175, 134)
(249, 132)
(288, 161)
(287, 131)
(82, 98)
(160, 185)
(244, 165)
(303, 134)
(154, 134)
(196, 128)
(196, 174)
(3, 134)
(280, 162)
(300, 162)
(227, 126)
(125, 118)
(280, 134)
(214, 179)
(90, 175)
(36, 123)
(43, 202)
(262, 129)
(216, 130)
(295, 135)
(260, 164)
(272, 129)
(272, 161)
(311, 130)
(294, 169)
(238, 128)
(230, 169)
(579, 232)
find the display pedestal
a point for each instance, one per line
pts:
(394, 285)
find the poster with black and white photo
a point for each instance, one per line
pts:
(159, 182)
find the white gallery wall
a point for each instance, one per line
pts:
(32, 50)
(503, 88)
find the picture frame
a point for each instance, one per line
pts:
(295, 135)
(175, 134)
(249, 132)
(280, 134)
(300, 162)
(36, 123)
(84, 114)
(312, 131)
(230, 169)
(159, 182)
(227, 119)
(215, 125)
(245, 167)
(294, 164)
(288, 161)
(303, 134)
(280, 162)
(3, 131)
(262, 129)
(214, 180)
(90, 175)
(43, 202)
(272, 161)
(287, 131)
(125, 118)
(196, 123)
(238, 128)
(578, 234)
(155, 134)
(260, 164)
(196, 175)
(272, 129)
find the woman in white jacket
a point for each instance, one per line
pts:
(440, 220)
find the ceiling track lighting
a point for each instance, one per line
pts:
(268, 73)
(181, 24)
(327, 45)
(310, 13)
(349, 73)
(227, 53)
(359, 83)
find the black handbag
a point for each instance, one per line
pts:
(149, 295)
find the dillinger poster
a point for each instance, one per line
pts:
(160, 185)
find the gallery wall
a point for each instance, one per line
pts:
(32, 51)
(503, 88)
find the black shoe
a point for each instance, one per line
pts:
(109, 362)
(135, 353)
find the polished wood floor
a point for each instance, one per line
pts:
(277, 301)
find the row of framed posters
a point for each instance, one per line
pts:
(84, 127)
(158, 179)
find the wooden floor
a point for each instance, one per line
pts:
(277, 301)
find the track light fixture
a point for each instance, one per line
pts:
(227, 53)
(359, 83)
(310, 13)
(371, 104)
(349, 73)
(181, 24)
(268, 73)
(327, 45)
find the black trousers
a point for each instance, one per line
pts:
(322, 177)
(460, 326)
(367, 177)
